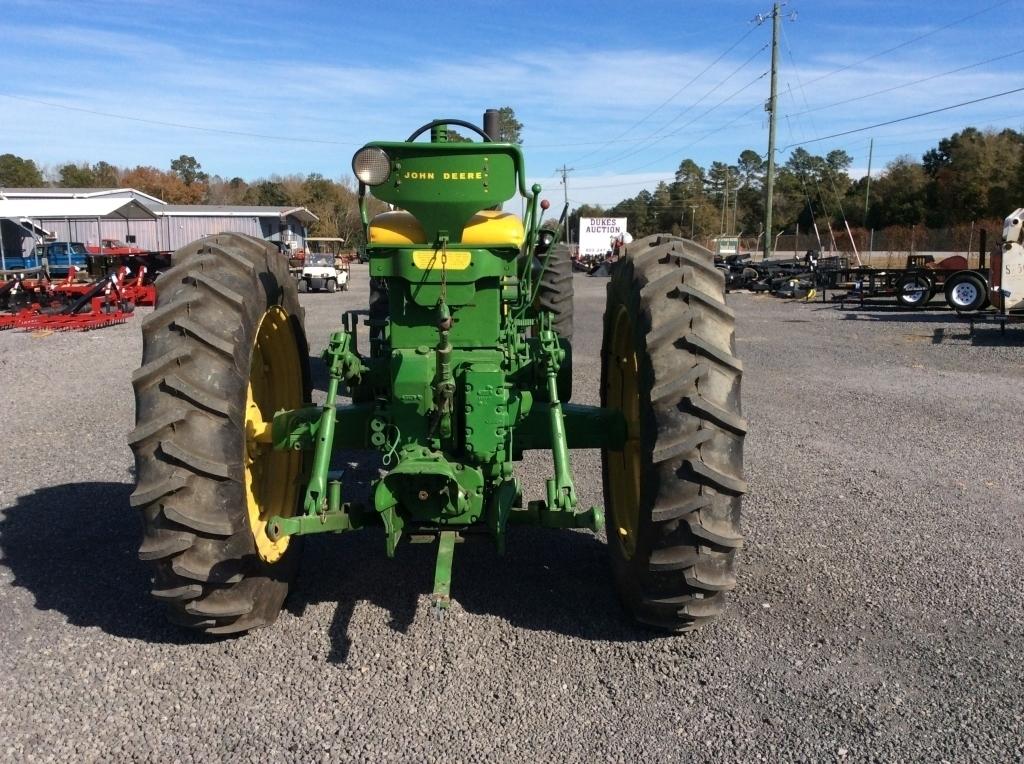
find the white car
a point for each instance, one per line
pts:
(319, 272)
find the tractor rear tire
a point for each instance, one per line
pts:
(555, 290)
(224, 348)
(673, 492)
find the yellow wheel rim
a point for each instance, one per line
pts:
(272, 478)
(624, 466)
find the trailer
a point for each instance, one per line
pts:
(965, 289)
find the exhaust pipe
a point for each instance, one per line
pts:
(491, 126)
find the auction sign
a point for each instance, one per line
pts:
(598, 235)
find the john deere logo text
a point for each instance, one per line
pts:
(444, 175)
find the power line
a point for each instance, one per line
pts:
(671, 178)
(898, 87)
(907, 118)
(181, 125)
(911, 41)
(658, 137)
(564, 171)
(671, 98)
(710, 132)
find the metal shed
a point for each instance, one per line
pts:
(178, 224)
(169, 227)
(26, 221)
(48, 192)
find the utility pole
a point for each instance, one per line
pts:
(770, 107)
(693, 217)
(565, 187)
(867, 191)
(725, 204)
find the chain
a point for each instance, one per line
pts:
(444, 271)
(391, 453)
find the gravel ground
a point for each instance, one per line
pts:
(879, 615)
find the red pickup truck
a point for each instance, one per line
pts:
(113, 248)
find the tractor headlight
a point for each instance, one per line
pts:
(371, 165)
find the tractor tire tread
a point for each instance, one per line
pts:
(163, 543)
(555, 291)
(196, 462)
(152, 372)
(214, 287)
(177, 593)
(212, 403)
(206, 335)
(189, 442)
(692, 431)
(147, 493)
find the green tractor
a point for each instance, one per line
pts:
(467, 366)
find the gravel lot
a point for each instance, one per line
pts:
(880, 614)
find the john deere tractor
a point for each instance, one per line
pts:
(466, 365)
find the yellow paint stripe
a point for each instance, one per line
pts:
(427, 259)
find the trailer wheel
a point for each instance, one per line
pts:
(673, 492)
(966, 291)
(914, 290)
(223, 351)
(555, 290)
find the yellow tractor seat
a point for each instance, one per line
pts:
(486, 228)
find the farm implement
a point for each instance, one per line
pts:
(42, 304)
(467, 365)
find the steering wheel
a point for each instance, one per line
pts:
(459, 122)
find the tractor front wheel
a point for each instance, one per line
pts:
(555, 290)
(223, 351)
(673, 491)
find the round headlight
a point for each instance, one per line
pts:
(371, 165)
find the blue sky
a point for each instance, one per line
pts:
(622, 92)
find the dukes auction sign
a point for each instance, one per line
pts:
(598, 235)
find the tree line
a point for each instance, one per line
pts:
(184, 182)
(335, 202)
(972, 175)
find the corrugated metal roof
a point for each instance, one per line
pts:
(67, 193)
(231, 210)
(96, 207)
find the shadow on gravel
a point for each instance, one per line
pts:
(73, 547)
(900, 316)
(548, 580)
(318, 373)
(881, 305)
(984, 335)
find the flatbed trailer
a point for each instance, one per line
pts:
(913, 286)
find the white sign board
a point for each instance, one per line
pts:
(597, 235)
(727, 245)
